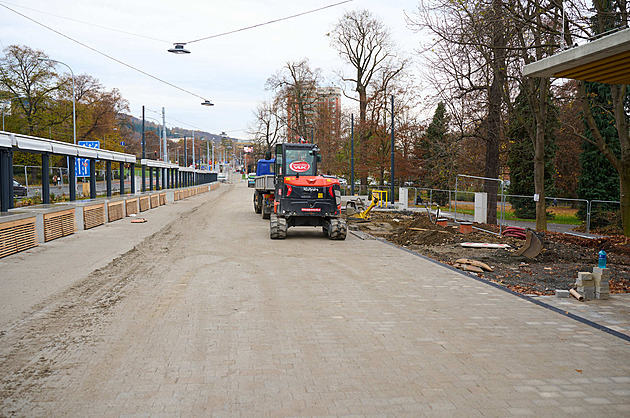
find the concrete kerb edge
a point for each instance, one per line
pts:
(508, 290)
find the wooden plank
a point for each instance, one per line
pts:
(145, 203)
(58, 224)
(19, 222)
(114, 211)
(93, 216)
(131, 206)
(20, 236)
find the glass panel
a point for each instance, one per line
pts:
(300, 161)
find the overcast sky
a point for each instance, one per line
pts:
(230, 70)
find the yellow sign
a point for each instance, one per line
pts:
(320, 195)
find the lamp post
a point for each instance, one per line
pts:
(74, 114)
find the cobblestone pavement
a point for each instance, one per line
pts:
(613, 313)
(210, 317)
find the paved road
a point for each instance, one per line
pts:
(206, 316)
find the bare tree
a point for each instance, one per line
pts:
(295, 85)
(468, 63)
(365, 43)
(266, 129)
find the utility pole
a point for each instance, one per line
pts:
(392, 163)
(352, 154)
(164, 155)
(193, 153)
(144, 177)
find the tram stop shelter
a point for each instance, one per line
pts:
(603, 60)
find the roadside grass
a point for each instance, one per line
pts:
(562, 215)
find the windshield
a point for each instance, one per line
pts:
(300, 162)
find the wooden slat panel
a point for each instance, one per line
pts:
(16, 236)
(162, 199)
(58, 224)
(145, 203)
(155, 201)
(114, 211)
(131, 206)
(93, 216)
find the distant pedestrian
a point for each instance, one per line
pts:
(555, 202)
(55, 179)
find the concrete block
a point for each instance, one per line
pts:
(561, 293)
(602, 295)
(585, 275)
(589, 292)
(603, 273)
(588, 283)
(580, 289)
(603, 288)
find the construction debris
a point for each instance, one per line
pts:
(576, 295)
(473, 263)
(515, 232)
(483, 245)
(138, 220)
(595, 285)
(532, 247)
(468, 267)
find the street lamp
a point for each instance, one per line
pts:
(179, 48)
(207, 103)
(74, 115)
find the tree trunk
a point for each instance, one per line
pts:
(492, 149)
(539, 176)
(495, 100)
(540, 117)
(618, 93)
(624, 198)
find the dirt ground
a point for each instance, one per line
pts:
(556, 267)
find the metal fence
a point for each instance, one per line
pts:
(563, 209)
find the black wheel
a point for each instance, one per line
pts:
(338, 229)
(326, 228)
(266, 211)
(277, 227)
(257, 203)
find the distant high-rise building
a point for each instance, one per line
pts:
(322, 114)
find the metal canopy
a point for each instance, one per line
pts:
(158, 164)
(604, 60)
(39, 145)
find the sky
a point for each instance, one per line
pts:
(229, 70)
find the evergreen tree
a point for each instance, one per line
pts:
(598, 178)
(436, 152)
(521, 158)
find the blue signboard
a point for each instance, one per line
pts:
(82, 165)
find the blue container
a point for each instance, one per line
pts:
(602, 260)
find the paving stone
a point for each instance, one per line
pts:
(328, 328)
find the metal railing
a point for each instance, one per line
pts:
(424, 196)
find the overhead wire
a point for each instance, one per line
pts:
(85, 23)
(104, 54)
(269, 22)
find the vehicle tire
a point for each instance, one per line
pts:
(266, 211)
(257, 203)
(326, 229)
(338, 229)
(277, 227)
